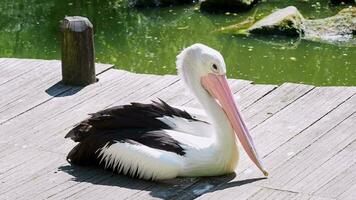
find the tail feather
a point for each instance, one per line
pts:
(80, 132)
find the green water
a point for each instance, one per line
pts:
(147, 40)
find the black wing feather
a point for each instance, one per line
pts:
(135, 123)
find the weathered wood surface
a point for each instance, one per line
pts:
(305, 134)
(77, 45)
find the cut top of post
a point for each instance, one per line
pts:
(76, 23)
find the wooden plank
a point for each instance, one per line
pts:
(306, 165)
(182, 97)
(44, 80)
(252, 94)
(231, 190)
(318, 198)
(4, 149)
(320, 161)
(55, 179)
(293, 119)
(27, 171)
(245, 96)
(349, 194)
(274, 102)
(14, 68)
(11, 153)
(340, 184)
(145, 93)
(273, 194)
(167, 93)
(27, 71)
(58, 106)
(249, 191)
(301, 141)
(109, 188)
(235, 86)
(17, 91)
(308, 136)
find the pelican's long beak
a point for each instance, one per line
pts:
(218, 87)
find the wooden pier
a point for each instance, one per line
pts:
(305, 134)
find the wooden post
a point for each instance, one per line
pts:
(78, 66)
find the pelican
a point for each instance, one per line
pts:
(157, 141)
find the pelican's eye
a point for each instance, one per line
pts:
(215, 68)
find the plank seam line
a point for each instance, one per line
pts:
(280, 190)
(92, 96)
(20, 96)
(35, 106)
(138, 191)
(39, 104)
(97, 175)
(45, 101)
(245, 86)
(331, 158)
(313, 143)
(254, 194)
(21, 74)
(352, 165)
(63, 111)
(7, 105)
(140, 87)
(319, 137)
(24, 162)
(175, 82)
(11, 168)
(99, 181)
(312, 125)
(349, 144)
(77, 183)
(353, 184)
(10, 188)
(107, 69)
(133, 90)
(283, 190)
(193, 98)
(279, 110)
(62, 182)
(261, 97)
(191, 186)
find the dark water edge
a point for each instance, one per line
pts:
(147, 40)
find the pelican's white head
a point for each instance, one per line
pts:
(204, 72)
(197, 61)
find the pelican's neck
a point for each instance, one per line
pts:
(223, 130)
(223, 136)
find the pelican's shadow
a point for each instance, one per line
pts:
(188, 188)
